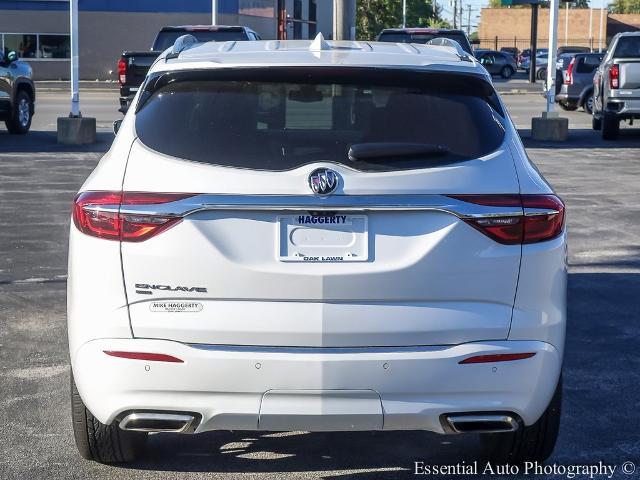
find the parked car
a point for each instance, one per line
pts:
(424, 35)
(541, 63)
(513, 51)
(576, 88)
(317, 237)
(571, 49)
(498, 63)
(617, 85)
(17, 93)
(133, 66)
(525, 57)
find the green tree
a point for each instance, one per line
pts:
(374, 15)
(625, 6)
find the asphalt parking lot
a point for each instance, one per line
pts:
(600, 183)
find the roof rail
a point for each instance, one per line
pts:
(182, 43)
(447, 42)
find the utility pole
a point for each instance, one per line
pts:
(566, 23)
(455, 14)
(468, 19)
(214, 12)
(590, 27)
(601, 25)
(534, 42)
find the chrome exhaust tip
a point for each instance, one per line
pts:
(482, 423)
(158, 422)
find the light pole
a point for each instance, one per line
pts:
(214, 12)
(550, 126)
(404, 13)
(551, 59)
(73, 28)
(75, 129)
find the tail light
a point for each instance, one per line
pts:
(122, 71)
(614, 76)
(568, 79)
(540, 218)
(100, 214)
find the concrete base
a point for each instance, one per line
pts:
(76, 130)
(550, 127)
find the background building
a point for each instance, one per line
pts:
(38, 30)
(511, 27)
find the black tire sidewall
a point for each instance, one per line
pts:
(13, 123)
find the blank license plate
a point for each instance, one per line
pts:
(323, 238)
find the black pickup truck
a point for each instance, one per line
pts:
(133, 66)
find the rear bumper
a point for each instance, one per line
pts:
(277, 388)
(623, 107)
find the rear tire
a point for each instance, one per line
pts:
(506, 72)
(100, 442)
(532, 443)
(588, 104)
(596, 122)
(610, 127)
(20, 120)
(541, 74)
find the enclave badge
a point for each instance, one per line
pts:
(323, 181)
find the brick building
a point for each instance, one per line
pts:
(508, 27)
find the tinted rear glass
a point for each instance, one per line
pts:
(166, 39)
(627, 47)
(404, 37)
(266, 124)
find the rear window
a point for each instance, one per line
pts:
(588, 64)
(284, 120)
(627, 47)
(423, 37)
(167, 38)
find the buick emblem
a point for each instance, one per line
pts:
(323, 181)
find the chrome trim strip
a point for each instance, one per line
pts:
(342, 203)
(173, 417)
(316, 350)
(510, 424)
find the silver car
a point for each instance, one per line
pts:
(498, 63)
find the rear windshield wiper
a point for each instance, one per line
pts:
(388, 150)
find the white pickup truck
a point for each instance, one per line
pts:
(617, 85)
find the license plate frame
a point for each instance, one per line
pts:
(336, 238)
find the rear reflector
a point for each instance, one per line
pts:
(498, 357)
(151, 357)
(541, 218)
(98, 214)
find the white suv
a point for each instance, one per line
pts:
(320, 236)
